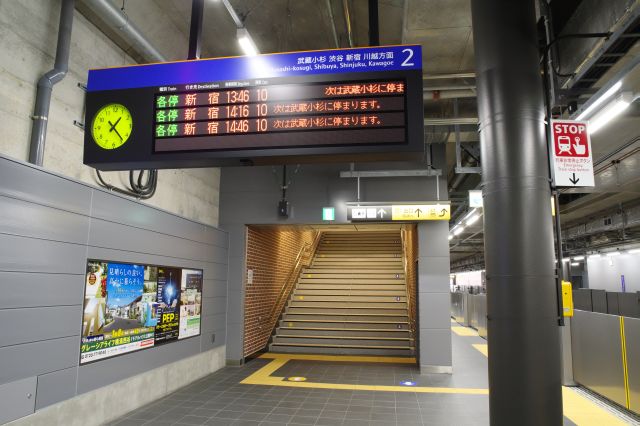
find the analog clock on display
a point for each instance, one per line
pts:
(112, 126)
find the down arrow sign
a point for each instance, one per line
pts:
(574, 179)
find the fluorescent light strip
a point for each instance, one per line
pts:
(611, 111)
(578, 258)
(594, 256)
(606, 95)
(575, 264)
(613, 253)
(473, 219)
(634, 251)
(458, 230)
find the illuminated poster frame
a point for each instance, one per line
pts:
(280, 127)
(130, 307)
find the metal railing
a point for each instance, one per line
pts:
(303, 259)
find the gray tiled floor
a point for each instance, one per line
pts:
(220, 399)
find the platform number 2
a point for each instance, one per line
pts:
(406, 62)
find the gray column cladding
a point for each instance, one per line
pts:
(49, 226)
(249, 195)
(434, 318)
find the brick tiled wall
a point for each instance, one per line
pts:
(410, 235)
(271, 254)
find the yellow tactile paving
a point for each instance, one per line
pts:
(464, 331)
(584, 412)
(264, 377)
(580, 410)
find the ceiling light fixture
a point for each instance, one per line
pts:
(612, 110)
(594, 256)
(246, 42)
(575, 263)
(613, 253)
(578, 258)
(450, 237)
(600, 100)
(473, 219)
(458, 230)
(565, 259)
(634, 251)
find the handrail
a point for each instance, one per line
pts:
(307, 249)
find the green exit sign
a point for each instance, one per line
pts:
(328, 213)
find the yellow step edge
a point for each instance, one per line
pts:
(344, 358)
(289, 336)
(328, 345)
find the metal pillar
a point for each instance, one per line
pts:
(47, 81)
(524, 349)
(195, 32)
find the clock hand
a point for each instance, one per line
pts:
(116, 130)
(113, 125)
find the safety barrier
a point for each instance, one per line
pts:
(606, 356)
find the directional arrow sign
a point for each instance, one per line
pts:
(400, 212)
(572, 161)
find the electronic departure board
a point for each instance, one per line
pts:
(342, 105)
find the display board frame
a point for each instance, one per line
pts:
(124, 86)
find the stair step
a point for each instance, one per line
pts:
(348, 298)
(350, 293)
(340, 324)
(340, 271)
(347, 287)
(361, 275)
(340, 350)
(343, 311)
(370, 281)
(393, 304)
(359, 341)
(327, 316)
(344, 332)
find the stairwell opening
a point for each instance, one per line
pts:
(331, 289)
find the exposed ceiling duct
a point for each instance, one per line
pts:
(118, 21)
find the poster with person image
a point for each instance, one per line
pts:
(118, 325)
(190, 303)
(168, 310)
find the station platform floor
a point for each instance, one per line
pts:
(289, 389)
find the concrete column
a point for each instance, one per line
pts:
(522, 322)
(434, 318)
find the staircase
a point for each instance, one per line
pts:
(351, 300)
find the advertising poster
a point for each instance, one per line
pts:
(190, 303)
(129, 307)
(113, 313)
(168, 310)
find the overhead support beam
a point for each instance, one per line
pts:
(347, 19)
(233, 14)
(390, 173)
(332, 19)
(374, 30)
(522, 316)
(436, 94)
(195, 33)
(449, 76)
(450, 121)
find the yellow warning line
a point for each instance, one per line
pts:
(464, 331)
(580, 410)
(584, 412)
(341, 358)
(482, 348)
(264, 376)
(623, 343)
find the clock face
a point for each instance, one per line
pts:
(112, 126)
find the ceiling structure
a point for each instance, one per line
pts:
(444, 29)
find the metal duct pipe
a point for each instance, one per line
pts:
(434, 95)
(46, 83)
(523, 334)
(114, 17)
